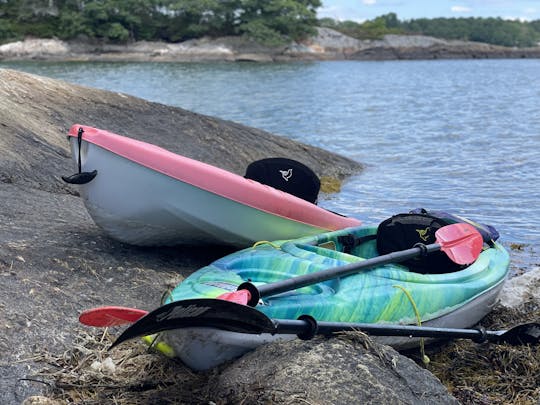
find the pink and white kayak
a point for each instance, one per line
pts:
(141, 194)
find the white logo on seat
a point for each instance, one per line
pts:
(286, 174)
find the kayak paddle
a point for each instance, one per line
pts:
(230, 316)
(461, 242)
(199, 312)
(110, 316)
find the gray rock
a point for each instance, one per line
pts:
(521, 290)
(327, 44)
(344, 370)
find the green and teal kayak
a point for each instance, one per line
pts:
(387, 294)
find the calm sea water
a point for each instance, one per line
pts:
(461, 136)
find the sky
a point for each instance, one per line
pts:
(361, 10)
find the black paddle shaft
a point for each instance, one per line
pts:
(306, 327)
(293, 283)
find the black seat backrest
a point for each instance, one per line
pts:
(287, 175)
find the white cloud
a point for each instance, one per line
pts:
(339, 14)
(369, 2)
(460, 9)
(513, 18)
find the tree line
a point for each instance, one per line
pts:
(496, 31)
(270, 22)
(267, 21)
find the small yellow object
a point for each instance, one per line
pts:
(162, 347)
(328, 245)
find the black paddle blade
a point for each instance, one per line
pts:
(528, 333)
(204, 312)
(80, 178)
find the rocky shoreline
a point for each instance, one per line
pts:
(55, 262)
(328, 44)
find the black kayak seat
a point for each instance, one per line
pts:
(286, 175)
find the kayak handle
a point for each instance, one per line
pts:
(80, 177)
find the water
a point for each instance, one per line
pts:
(458, 135)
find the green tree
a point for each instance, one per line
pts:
(535, 25)
(195, 18)
(489, 30)
(276, 22)
(371, 29)
(72, 24)
(269, 21)
(391, 20)
(121, 20)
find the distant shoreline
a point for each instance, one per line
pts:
(327, 45)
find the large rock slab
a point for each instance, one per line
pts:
(350, 369)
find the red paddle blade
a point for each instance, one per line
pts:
(239, 297)
(461, 242)
(110, 316)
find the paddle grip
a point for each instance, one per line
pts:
(254, 293)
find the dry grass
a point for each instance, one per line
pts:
(90, 374)
(490, 373)
(330, 185)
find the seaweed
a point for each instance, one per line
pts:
(489, 373)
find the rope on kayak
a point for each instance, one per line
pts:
(425, 358)
(167, 295)
(266, 242)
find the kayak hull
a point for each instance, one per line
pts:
(205, 348)
(145, 195)
(389, 294)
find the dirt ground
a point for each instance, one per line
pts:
(54, 263)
